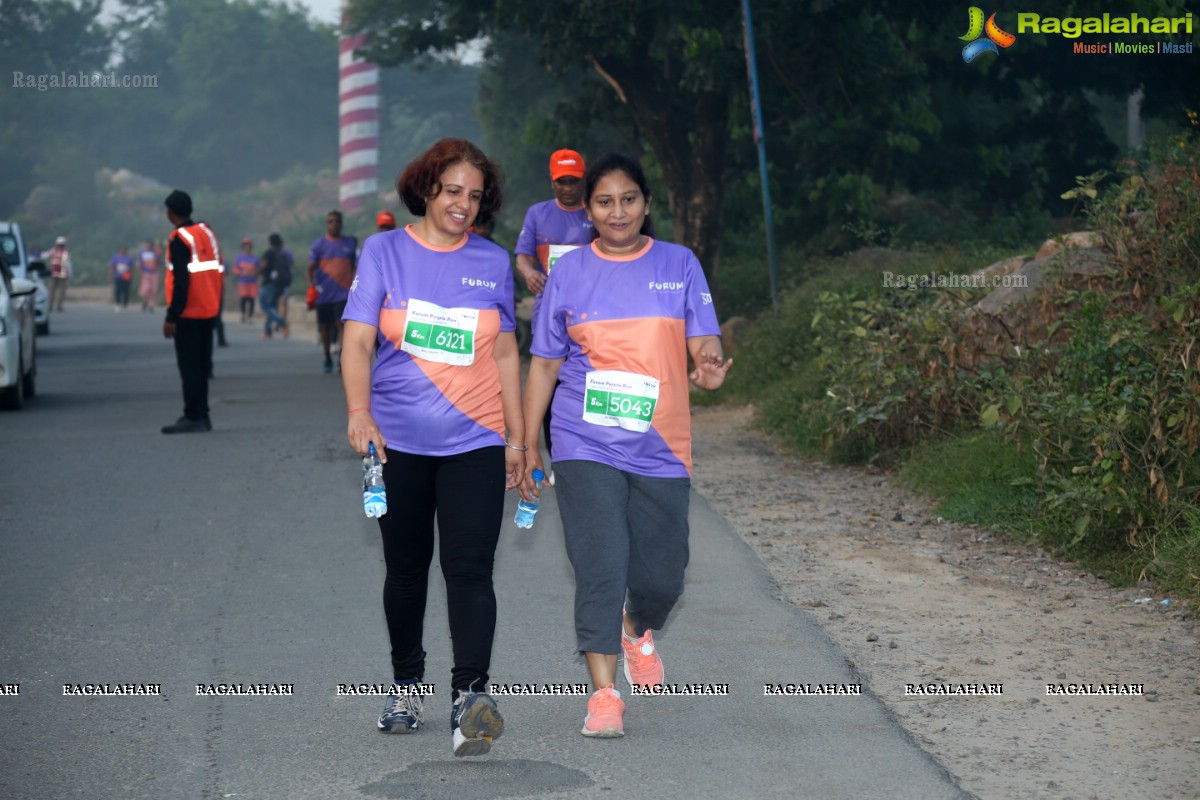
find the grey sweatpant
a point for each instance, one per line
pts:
(627, 539)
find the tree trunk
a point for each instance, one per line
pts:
(687, 131)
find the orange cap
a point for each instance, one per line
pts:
(566, 163)
(385, 218)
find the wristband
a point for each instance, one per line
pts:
(356, 410)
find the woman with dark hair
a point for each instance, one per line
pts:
(619, 321)
(442, 406)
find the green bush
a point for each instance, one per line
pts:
(1087, 438)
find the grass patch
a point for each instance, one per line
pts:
(981, 479)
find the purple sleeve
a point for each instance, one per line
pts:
(701, 315)
(367, 292)
(314, 255)
(550, 333)
(527, 241)
(508, 316)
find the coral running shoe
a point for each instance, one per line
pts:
(605, 714)
(643, 667)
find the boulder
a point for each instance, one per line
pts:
(1001, 268)
(732, 331)
(1020, 313)
(1078, 239)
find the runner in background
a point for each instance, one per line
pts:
(331, 265)
(619, 319)
(275, 272)
(285, 290)
(385, 221)
(219, 322)
(245, 272)
(148, 264)
(61, 272)
(120, 267)
(552, 228)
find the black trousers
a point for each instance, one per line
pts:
(466, 494)
(193, 353)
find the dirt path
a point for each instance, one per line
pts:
(916, 600)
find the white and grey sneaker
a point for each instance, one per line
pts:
(403, 711)
(474, 722)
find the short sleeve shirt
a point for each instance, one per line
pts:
(547, 231)
(335, 262)
(629, 315)
(436, 308)
(245, 267)
(122, 267)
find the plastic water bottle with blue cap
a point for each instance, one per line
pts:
(527, 509)
(374, 495)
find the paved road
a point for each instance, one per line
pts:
(242, 556)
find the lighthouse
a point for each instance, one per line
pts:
(358, 124)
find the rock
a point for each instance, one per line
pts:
(1080, 239)
(1019, 314)
(1006, 267)
(732, 331)
(871, 637)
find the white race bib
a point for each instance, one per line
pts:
(620, 399)
(556, 252)
(445, 335)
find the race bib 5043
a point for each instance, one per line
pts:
(620, 399)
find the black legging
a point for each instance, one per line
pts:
(466, 492)
(248, 307)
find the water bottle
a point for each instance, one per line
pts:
(527, 509)
(374, 495)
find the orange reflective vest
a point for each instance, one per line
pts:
(204, 271)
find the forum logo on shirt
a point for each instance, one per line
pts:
(666, 286)
(479, 282)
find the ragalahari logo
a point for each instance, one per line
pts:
(978, 46)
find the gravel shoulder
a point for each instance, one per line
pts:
(913, 599)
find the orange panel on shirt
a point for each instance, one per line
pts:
(654, 346)
(473, 390)
(339, 269)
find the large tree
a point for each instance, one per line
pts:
(670, 63)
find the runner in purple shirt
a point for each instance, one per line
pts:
(331, 264)
(442, 405)
(619, 320)
(552, 229)
(121, 267)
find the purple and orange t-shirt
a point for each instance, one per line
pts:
(245, 268)
(435, 386)
(335, 267)
(122, 267)
(622, 324)
(548, 232)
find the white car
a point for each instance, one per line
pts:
(18, 339)
(12, 247)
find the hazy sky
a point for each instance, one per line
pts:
(324, 10)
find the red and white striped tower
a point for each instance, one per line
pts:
(358, 125)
